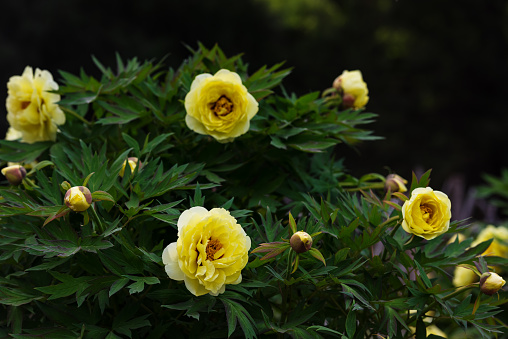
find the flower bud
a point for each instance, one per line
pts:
(14, 174)
(132, 161)
(491, 283)
(395, 183)
(78, 198)
(301, 242)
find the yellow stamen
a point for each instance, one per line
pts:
(426, 212)
(222, 107)
(211, 248)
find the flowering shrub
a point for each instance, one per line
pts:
(216, 205)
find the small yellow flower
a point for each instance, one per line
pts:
(78, 198)
(491, 283)
(132, 161)
(395, 183)
(427, 213)
(219, 106)
(353, 89)
(211, 251)
(31, 108)
(14, 174)
(301, 242)
(498, 246)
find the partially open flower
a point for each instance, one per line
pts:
(353, 89)
(491, 283)
(78, 198)
(301, 242)
(132, 161)
(395, 183)
(14, 174)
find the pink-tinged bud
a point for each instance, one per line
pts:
(395, 183)
(337, 83)
(301, 242)
(348, 100)
(132, 161)
(78, 198)
(491, 283)
(14, 174)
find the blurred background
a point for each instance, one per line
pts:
(436, 70)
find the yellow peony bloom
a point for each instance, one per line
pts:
(211, 251)
(353, 89)
(499, 246)
(219, 106)
(427, 213)
(31, 108)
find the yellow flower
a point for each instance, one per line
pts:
(78, 198)
(498, 246)
(219, 106)
(463, 276)
(211, 251)
(132, 161)
(31, 108)
(427, 213)
(353, 89)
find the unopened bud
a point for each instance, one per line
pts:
(491, 283)
(78, 198)
(132, 161)
(301, 242)
(14, 174)
(395, 183)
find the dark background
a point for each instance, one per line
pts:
(436, 70)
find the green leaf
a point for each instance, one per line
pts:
(236, 312)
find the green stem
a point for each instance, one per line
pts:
(392, 233)
(76, 115)
(94, 213)
(375, 186)
(451, 295)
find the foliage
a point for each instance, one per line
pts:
(99, 273)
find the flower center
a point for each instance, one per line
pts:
(222, 107)
(212, 247)
(426, 212)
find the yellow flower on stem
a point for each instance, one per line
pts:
(31, 107)
(211, 251)
(219, 106)
(353, 89)
(427, 213)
